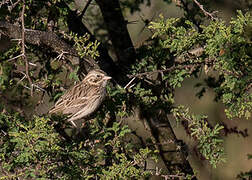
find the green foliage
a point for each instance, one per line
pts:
(118, 102)
(5, 70)
(177, 39)
(242, 107)
(146, 97)
(125, 169)
(40, 147)
(210, 145)
(177, 78)
(35, 150)
(73, 75)
(30, 146)
(227, 52)
(84, 46)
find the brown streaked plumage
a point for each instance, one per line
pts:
(84, 98)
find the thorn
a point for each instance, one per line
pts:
(73, 124)
(127, 85)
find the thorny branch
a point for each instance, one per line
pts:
(129, 83)
(36, 37)
(12, 6)
(204, 11)
(20, 55)
(62, 56)
(23, 49)
(189, 66)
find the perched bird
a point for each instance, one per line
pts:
(84, 98)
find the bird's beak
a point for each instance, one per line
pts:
(107, 77)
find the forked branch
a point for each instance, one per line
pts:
(23, 49)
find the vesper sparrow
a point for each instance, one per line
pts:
(84, 98)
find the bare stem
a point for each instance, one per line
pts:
(20, 55)
(189, 66)
(23, 49)
(204, 11)
(13, 5)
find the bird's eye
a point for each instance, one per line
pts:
(98, 75)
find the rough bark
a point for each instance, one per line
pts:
(125, 52)
(36, 37)
(172, 151)
(105, 62)
(126, 56)
(76, 25)
(118, 32)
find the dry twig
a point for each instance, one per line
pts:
(20, 55)
(189, 66)
(129, 83)
(13, 5)
(23, 49)
(204, 11)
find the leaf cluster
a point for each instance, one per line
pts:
(35, 147)
(226, 53)
(35, 150)
(210, 145)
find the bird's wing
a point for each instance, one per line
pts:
(84, 109)
(72, 100)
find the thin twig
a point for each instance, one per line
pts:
(16, 39)
(39, 88)
(4, 132)
(27, 87)
(85, 8)
(33, 85)
(129, 83)
(204, 11)
(158, 172)
(13, 5)
(60, 56)
(32, 64)
(132, 86)
(249, 86)
(23, 49)
(139, 75)
(21, 79)
(166, 177)
(20, 55)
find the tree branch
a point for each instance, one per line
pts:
(118, 33)
(36, 37)
(204, 11)
(76, 25)
(23, 49)
(189, 66)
